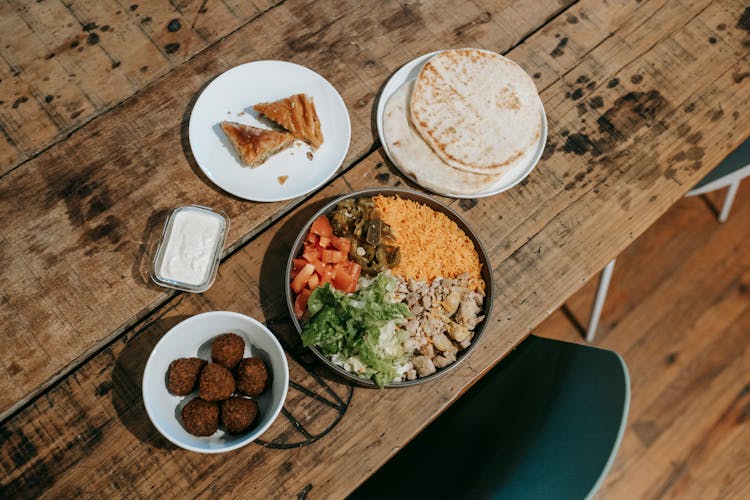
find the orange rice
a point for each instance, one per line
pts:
(431, 244)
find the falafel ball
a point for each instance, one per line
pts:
(252, 376)
(227, 350)
(215, 383)
(238, 414)
(200, 417)
(183, 374)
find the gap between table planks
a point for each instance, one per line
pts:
(111, 438)
(678, 311)
(78, 219)
(67, 62)
(543, 258)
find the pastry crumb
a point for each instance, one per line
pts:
(282, 179)
(309, 155)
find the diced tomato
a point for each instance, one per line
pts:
(312, 238)
(348, 266)
(343, 279)
(355, 270)
(313, 282)
(333, 256)
(297, 265)
(327, 277)
(325, 259)
(322, 227)
(313, 257)
(320, 267)
(300, 303)
(298, 283)
(313, 250)
(310, 254)
(342, 244)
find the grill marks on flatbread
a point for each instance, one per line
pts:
(255, 145)
(415, 158)
(477, 110)
(297, 115)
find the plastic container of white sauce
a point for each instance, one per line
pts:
(189, 252)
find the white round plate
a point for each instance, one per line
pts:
(192, 338)
(409, 71)
(231, 96)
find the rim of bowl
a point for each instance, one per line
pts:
(434, 204)
(253, 435)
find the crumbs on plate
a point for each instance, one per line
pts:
(282, 179)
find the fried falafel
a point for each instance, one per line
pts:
(227, 350)
(238, 414)
(252, 376)
(215, 383)
(183, 374)
(200, 417)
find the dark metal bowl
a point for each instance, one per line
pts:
(435, 205)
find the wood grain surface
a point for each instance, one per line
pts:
(678, 311)
(66, 62)
(635, 120)
(80, 219)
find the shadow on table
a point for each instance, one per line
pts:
(710, 203)
(127, 377)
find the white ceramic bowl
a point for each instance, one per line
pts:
(192, 338)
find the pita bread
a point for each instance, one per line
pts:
(477, 110)
(254, 145)
(414, 157)
(297, 115)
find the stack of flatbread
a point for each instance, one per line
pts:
(468, 118)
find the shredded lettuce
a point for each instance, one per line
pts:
(361, 324)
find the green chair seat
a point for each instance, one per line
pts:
(736, 160)
(546, 422)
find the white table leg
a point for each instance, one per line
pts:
(601, 296)
(728, 200)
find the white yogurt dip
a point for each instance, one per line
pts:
(191, 246)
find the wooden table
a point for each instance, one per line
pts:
(642, 98)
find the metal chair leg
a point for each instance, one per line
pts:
(601, 296)
(728, 200)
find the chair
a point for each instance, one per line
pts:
(544, 423)
(729, 173)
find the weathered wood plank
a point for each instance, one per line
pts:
(80, 217)
(685, 436)
(538, 259)
(71, 61)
